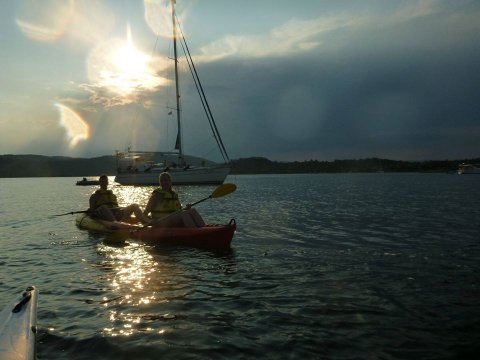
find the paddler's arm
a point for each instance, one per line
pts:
(92, 201)
(154, 198)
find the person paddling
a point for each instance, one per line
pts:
(165, 209)
(104, 205)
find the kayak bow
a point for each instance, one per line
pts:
(18, 327)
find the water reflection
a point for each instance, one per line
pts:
(130, 271)
(131, 265)
(188, 194)
(151, 287)
(127, 195)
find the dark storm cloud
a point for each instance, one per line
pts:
(406, 90)
(325, 80)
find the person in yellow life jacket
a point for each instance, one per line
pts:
(104, 205)
(165, 209)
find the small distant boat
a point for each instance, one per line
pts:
(18, 327)
(464, 169)
(85, 182)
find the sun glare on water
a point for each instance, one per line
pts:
(134, 273)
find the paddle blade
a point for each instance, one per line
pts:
(223, 190)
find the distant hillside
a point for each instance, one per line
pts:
(51, 166)
(46, 166)
(258, 165)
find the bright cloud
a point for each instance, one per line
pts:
(46, 20)
(76, 128)
(296, 35)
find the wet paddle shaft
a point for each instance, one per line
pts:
(220, 191)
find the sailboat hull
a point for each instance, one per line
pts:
(191, 176)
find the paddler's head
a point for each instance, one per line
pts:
(165, 181)
(103, 179)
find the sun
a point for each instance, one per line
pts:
(129, 71)
(130, 61)
(119, 67)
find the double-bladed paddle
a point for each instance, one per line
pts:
(220, 191)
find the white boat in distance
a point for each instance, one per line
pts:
(464, 169)
(144, 168)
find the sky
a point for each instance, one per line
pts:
(286, 80)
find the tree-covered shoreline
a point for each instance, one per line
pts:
(51, 166)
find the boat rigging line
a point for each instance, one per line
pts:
(201, 93)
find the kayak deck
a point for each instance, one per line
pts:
(84, 221)
(18, 327)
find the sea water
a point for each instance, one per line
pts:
(327, 266)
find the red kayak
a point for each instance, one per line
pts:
(211, 236)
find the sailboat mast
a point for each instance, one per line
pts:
(178, 142)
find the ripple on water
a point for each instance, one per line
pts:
(322, 266)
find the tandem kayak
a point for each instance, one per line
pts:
(211, 236)
(18, 327)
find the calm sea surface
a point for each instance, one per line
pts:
(341, 266)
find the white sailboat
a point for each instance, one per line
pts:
(143, 168)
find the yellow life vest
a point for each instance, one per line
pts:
(167, 205)
(106, 197)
